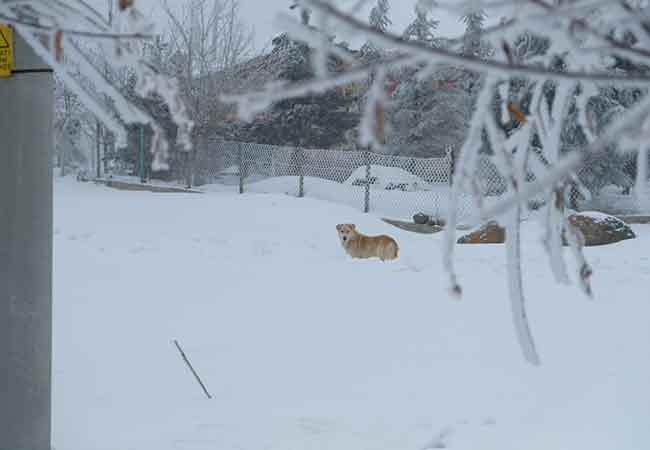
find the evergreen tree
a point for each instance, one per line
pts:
(609, 167)
(379, 16)
(422, 28)
(311, 121)
(427, 117)
(379, 21)
(473, 45)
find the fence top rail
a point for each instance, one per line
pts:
(350, 152)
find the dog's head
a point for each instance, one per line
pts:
(346, 231)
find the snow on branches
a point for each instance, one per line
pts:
(545, 65)
(55, 31)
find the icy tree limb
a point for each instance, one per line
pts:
(371, 130)
(513, 167)
(49, 26)
(641, 188)
(476, 64)
(560, 172)
(463, 174)
(554, 218)
(516, 288)
(614, 45)
(576, 242)
(553, 224)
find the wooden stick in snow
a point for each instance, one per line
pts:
(189, 364)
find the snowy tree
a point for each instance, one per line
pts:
(427, 115)
(474, 46)
(615, 165)
(379, 16)
(422, 28)
(205, 37)
(309, 121)
(69, 114)
(80, 137)
(473, 43)
(611, 165)
(380, 22)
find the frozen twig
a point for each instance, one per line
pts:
(189, 364)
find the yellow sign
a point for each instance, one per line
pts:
(6, 51)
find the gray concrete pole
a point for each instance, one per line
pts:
(26, 140)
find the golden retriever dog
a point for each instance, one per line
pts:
(358, 245)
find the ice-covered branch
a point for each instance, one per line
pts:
(50, 28)
(496, 68)
(463, 174)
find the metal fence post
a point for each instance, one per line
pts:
(189, 168)
(62, 152)
(366, 197)
(452, 164)
(27, 133)
(240, 160)
(107, 151)
(141, 160)
(301, 173)
(98, 146)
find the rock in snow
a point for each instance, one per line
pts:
(490, 233)
(601, 229)
(597, 229)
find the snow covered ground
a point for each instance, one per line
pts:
(394, 204)
(305, 349)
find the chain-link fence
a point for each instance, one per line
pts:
(392, 186)
(608, 189)
(387, 185)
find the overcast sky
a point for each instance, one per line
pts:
(261, 14)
